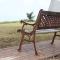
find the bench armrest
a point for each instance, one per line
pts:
(25, 23)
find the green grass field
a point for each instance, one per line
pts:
(10, 37)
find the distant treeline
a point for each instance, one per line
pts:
(5, 22)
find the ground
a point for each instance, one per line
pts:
(46, 51)
(9, 38)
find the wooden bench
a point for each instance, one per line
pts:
(46, 22)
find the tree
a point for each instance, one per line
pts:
(30, 16)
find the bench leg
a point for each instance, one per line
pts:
(34, 45)
(22, 38)
(53, 38)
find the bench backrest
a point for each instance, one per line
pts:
(48, 19)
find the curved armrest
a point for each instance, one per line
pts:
(25, 23)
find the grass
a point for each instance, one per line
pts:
(8, 34)
(10, 37)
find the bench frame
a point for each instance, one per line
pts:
(33, 32)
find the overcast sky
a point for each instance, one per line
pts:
(17, 9)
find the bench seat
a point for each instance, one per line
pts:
(44, 31)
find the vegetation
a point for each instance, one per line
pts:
(30, 16)
(6, 22)
(10, 37)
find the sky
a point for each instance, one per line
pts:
(11, 10)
